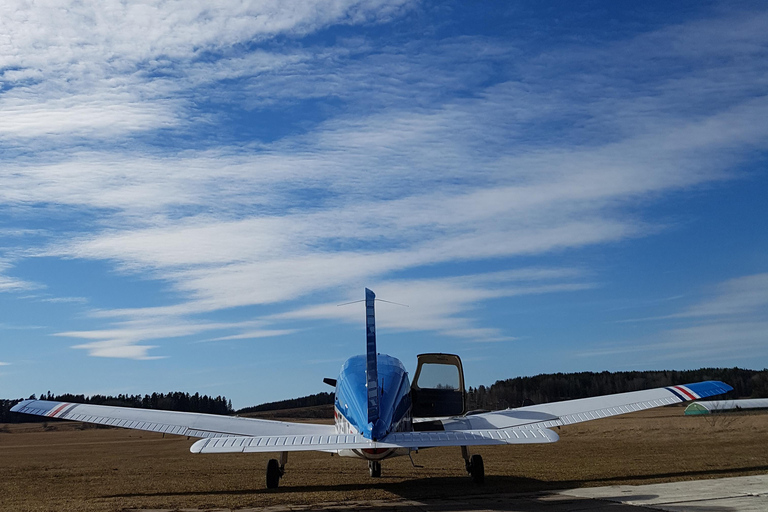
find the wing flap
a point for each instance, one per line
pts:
(337, 442)
(168, 422)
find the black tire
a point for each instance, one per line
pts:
(374, 468)
(273, 474)
(477, 469)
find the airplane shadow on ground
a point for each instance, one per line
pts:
(455, 493)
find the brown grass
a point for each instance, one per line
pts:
(66, 468)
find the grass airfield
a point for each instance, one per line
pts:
(66, 467)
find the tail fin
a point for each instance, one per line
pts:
(372, 373)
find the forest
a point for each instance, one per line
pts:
(293, 403)
(500, 395)
(568, 386)
(173, 401)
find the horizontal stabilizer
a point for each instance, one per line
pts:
(336, 442)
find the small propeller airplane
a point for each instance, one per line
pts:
(379, 414)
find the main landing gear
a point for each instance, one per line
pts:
(374, 468)
(474, 465)
(276, 470)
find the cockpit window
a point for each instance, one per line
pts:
(439, 376)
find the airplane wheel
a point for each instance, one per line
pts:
(273, 474)
(477, 469)
(374, 468)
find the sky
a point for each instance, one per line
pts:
(189, 190)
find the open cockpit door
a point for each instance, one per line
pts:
(438, 386)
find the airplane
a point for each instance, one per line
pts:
(380, 414)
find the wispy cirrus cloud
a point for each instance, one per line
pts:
(716, 330)
(442, 305)
(560, 200)
(745, 295)
(426, 162)
(126, 339)
(446, 305)
(13, 284)
(80, 69)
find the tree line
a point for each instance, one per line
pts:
(294, 403)
(173, 401)
(566, 386)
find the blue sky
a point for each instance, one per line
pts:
(187, 192)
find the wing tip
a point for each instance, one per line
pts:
(26, 403)
(709, 388)
(19, 406)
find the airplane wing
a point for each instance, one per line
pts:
(413, 440)
(169, 422)
(556, 414)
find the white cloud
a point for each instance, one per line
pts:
(261, 333)
(718, 330)
(81, 68)
(125, 339)
(534, 203)
(442, 305)
(65, 300)
(10, 284)
(445, 305)
(13, 284)
(419, 180)
(118, 349)
(98, 116)
(745, 295)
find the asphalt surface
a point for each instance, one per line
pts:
(740, 494)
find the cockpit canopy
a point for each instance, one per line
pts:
(438, 386)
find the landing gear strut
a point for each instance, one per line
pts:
(276, 470)
(374, 468)
(474, 465)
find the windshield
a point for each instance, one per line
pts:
(439, 376)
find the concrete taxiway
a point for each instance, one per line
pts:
(740, 494)
(743, 494)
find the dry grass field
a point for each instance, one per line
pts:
(68, 468)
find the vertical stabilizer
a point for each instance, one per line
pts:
(372, 373)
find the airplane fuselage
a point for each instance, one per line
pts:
(351, 403)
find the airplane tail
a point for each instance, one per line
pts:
(372, 374)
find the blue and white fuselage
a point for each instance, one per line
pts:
(350, 405)
(372, 394)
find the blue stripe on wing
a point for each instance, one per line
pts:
(674, 392)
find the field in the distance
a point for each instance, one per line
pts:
(65, 468)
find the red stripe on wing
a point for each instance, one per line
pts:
(57, 410)
(685, 392)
